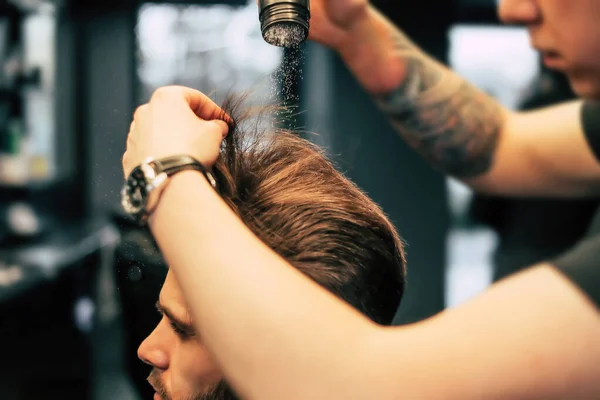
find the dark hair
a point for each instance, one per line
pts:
(292, 197)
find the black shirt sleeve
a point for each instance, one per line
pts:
(590, 119)
(582, 263)
(582, 266)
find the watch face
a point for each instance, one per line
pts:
(135, 192)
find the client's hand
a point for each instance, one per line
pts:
(177, 120)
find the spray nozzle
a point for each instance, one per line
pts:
(284, 23)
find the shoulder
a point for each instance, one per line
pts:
(581, 264)
(594, 229)
(590, 122)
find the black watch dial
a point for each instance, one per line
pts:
(135, 193)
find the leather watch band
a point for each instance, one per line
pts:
(173, 164)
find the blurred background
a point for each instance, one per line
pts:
(78, 282)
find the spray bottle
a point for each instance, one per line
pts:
(284, 23)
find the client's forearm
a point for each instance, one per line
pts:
(447, 120)
(271, 328)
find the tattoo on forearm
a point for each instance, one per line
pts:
(451, 123)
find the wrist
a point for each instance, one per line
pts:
(174, 195)
(370, 50)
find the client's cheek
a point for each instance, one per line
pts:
(202, 373)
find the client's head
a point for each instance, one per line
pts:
(287, 192)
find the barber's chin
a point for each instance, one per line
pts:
(588, 93)
(593, 95)
(157, 396)
(585, 88)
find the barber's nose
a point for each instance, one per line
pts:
(522, 12)
(151, 352)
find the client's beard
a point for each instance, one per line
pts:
(220, 391)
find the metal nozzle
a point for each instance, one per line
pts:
(284, 23)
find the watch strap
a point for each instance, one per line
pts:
(174, 164)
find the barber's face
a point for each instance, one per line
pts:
(567, 34)
(183, 368)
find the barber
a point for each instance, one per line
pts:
(278, 335)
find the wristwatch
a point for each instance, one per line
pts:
(147, 181)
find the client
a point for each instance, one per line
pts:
(287, 192)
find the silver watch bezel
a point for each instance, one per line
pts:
(155, 183)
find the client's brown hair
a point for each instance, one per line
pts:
(291, 196)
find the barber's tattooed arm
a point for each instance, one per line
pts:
(450, 122)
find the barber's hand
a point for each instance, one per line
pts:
(366, 41)
(177, 120)
(332, 20)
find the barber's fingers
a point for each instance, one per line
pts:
(138, 114)
(185, 110)
(125, 164)
(140, 119)
(130, 140)
(198, 102)
(222, 126)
